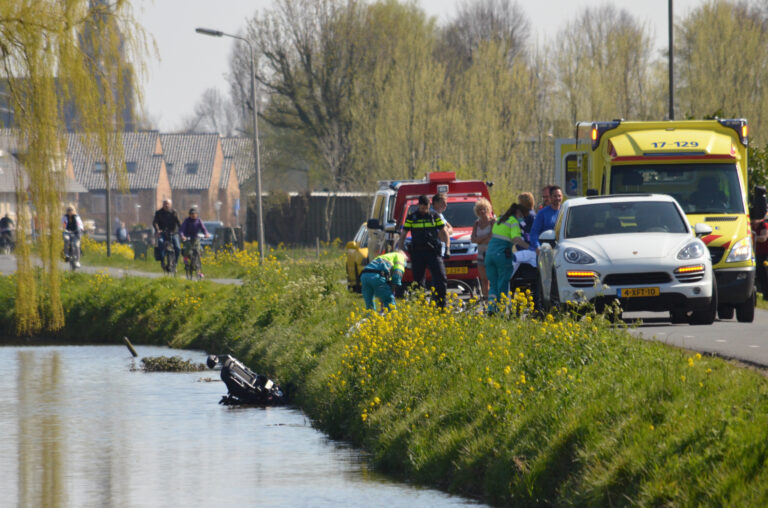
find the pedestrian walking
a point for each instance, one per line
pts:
(122, 234)
(427, 231)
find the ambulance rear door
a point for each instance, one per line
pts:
(572, 161)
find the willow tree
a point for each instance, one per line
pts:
(57, 55)
(721, 63)
(603, 68)
(397, 111)
(310, 69)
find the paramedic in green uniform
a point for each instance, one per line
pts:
(499, 258)
(377, 276)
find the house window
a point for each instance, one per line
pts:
(125, 202)
(190, 168)
(169, 166)
(98, 202)
(130, 166)
(99, 167)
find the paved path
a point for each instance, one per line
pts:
(747, 342)
(8, 266)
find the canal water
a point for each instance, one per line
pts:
(79, 428)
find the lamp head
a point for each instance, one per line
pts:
(207, 31)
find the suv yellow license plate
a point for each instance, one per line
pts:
(638, 292)
(453, 270)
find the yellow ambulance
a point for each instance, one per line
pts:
(701, 163)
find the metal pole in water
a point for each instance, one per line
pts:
(130, 347)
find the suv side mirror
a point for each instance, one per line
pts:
(548, 236)
(702, 229)
(373, 224)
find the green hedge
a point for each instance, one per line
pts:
(517, 412)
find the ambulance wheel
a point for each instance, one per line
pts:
(745, 313)
(725, 312)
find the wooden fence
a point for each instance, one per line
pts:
(299, 218)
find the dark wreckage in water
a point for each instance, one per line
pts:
(245, 386)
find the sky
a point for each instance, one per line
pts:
(189, 63)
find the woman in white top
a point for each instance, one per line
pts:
(481, 235)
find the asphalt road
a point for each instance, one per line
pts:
(747, 342)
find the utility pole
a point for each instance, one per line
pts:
(254, 107)
(671, 64)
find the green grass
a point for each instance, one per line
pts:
(217, 266)
(515, 412)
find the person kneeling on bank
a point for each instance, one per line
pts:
(377, 277)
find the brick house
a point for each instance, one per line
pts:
(147, 182)
(11, 168)
(239, 151)
(200, 175)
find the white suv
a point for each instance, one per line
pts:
(637, 248)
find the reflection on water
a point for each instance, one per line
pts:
(39, 432)
(77, 428)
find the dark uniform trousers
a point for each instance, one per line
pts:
(423, 259)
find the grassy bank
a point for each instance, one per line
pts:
(223, 264)
(508, 411)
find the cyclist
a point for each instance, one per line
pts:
(190, 231)
(73, 225)
(6, 229)
(167, 221)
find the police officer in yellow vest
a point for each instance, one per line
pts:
(377, 276)
(427, 230)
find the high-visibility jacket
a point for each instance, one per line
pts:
(507, 230)
(390, 266)
(424, 230)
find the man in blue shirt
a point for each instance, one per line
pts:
(547, 216)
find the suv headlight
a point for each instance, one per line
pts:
(577, 256)
(693, 250)
(741, 251)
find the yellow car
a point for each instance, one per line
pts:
(357, 258)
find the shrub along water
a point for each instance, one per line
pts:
(509, 411)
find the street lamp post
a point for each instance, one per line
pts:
(218, 33)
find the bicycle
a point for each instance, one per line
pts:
(6, 242)
(168, 256)
(192, 263)
(72, 250)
